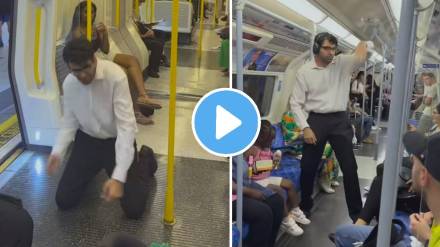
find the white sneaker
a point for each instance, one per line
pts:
(325, 186)
(335, 183)
(289, 225)
(299, 216)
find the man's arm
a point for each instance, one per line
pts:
(361, 52)
(297, 101)
(126, 127)
(69, 126)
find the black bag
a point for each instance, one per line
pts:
(10, 199)
(147, 162)
(396, 234)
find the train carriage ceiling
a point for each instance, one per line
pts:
(362, 18)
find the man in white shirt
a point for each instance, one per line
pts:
(99, 118)
(430, 100)
(319, 102)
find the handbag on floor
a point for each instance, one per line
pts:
(147, 162)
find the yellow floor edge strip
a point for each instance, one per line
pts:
(8, 123)
(11, 159)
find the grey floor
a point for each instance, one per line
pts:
(201, 206)
(329, 212)
(7, 108)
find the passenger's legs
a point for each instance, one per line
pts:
(341, 142)
(82, 166)
(133, 68)
(276, 204)
(346, 235)
(368, 124)
(310, 161)
(259, 216)
(16, 225)
(156, 50)
(372, 204)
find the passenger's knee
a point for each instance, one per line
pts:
(132, 61)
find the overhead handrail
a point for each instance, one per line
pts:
(37, 78)
(169, 218)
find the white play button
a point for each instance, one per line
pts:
(225, 122)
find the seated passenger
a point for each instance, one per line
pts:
(262, 209)
(16, 225)
(260, 152)
(100, 42)
(426, 180)
(155, 46)
(435, 120)
(425, 174)
(329, 172)
(367, 124)
(99, 119)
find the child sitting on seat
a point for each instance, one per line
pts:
(261, 160)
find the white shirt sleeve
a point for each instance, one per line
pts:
(69, 126)
(348, 63)
(297, 101)
(126, 128)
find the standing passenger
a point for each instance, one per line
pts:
(430, 99)
(319, 102)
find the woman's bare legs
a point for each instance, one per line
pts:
(133, 68)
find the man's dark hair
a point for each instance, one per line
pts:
(78, 51)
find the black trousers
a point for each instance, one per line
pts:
(16, 225)
(335, 128)
(264, 219)
(89, 156)
(156, 50)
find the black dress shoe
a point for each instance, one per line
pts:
(153, 74)
(331, 236)
(1, 43)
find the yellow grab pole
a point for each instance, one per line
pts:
(117, 14)
(169, 197)
(201, 18)
(89, 20)
(136, 8)
(151, 10)
(37, 78)
(147, 10)
(215, 11)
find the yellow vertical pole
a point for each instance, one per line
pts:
(37, 78)
(201, 18)
(169, 197)
(215, 12)
(147, 10)
(89, 20)
(136, 8)
(118, 13)
(151, 10)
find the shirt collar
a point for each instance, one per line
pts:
(99, 70)
(315, 66)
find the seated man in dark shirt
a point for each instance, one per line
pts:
(155, 41)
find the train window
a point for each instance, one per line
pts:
(260, 89)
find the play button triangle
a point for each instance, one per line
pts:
(225, 122)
